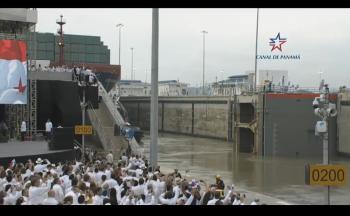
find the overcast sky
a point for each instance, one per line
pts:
(320, 36)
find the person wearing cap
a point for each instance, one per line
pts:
(220, 183)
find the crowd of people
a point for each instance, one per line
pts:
(78, 73)
(63, 68)
(105, 181)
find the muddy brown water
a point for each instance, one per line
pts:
(281, 178)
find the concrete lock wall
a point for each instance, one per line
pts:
(177, 118)
(210, 120)
(190, 118)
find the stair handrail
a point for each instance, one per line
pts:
(77, 143)
(118, 119)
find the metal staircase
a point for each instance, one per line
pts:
(117, 117)
(98, 128)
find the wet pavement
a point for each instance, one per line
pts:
(272, 180)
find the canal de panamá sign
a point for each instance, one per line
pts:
(326, 175)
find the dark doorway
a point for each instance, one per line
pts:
(2, 112)
(246, 112)
(246, 140)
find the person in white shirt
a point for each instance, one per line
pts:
(37, 194)
(139, 189)
(255, 202)
(40, 167)
(57, 188)
(111, 182)
(50, 200)
(48, 128)
(124, 159)
(23, 130)
(91, 78)
(216, 198)
(12, 194)
(109, 157)
(98, 176)
(98, 199)
(170, 197)
(74, 193)
(237, 201)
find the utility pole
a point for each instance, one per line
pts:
(154, 89)
(324, 109)
(83, 106)
(204, 32)
(256, 48)
(132, 62)
(120, 25)
(325, 142)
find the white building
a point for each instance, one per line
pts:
(132, 88)
(236, 84)
(138, 88)
(172, 88)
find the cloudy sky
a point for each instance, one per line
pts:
(320, 36)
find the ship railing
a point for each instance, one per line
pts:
(285, 89)
(117, 117)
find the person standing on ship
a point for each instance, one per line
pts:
(48, 128)
(23, 130)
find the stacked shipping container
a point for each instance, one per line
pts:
(77, 49)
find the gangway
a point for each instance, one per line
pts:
(117, 118)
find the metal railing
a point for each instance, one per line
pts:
(77, 143)
(117, 117)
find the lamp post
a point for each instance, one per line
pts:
(256, 48)
(83, 107)
(132, 62)
(120, 25)
(203, 32)
(321, 72)
(154, 90)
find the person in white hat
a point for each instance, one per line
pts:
(39, 167)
